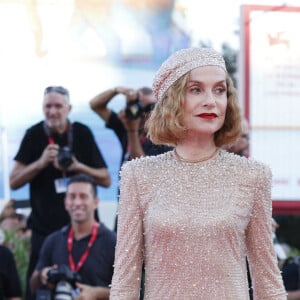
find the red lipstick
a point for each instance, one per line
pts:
(208, 116)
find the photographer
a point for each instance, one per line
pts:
(50, 152)
(83, 251)
(128, 124)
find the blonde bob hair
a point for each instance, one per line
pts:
(165, 124)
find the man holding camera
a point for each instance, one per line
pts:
(128, 124)
(81, 252)
(50, 152)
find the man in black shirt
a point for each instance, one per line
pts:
(50, 152)
(129, 128)
(128, 124)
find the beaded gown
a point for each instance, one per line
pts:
(192, 224)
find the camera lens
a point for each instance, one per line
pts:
(63, 291)
(64, 157)
(133, 109)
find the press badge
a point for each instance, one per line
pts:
(61, 184)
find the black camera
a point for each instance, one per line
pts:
(63, 273)
(133, 109)
(64, 157)
(64, 281)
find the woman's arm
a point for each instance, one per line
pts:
(266, 278)
(129, 250)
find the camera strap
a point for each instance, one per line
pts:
(86, 251)
(69, 134)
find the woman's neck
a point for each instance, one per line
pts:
(196, 148)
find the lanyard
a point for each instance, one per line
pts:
(86, 251)
(69, 136)
(51, 140)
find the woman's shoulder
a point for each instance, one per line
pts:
(147, 162)
(150, 160)
(244, 164)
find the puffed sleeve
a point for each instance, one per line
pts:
(266, 278)
(129, 250)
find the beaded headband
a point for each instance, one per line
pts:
(182, 62)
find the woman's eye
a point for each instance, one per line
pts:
(195, 90)
(220, 90)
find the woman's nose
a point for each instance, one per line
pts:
(209, 99)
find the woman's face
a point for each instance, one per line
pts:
(205, 101)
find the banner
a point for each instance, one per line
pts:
(270, 91)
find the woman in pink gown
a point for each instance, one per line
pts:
(193, 214)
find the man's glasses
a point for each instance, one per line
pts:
(57, 89)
